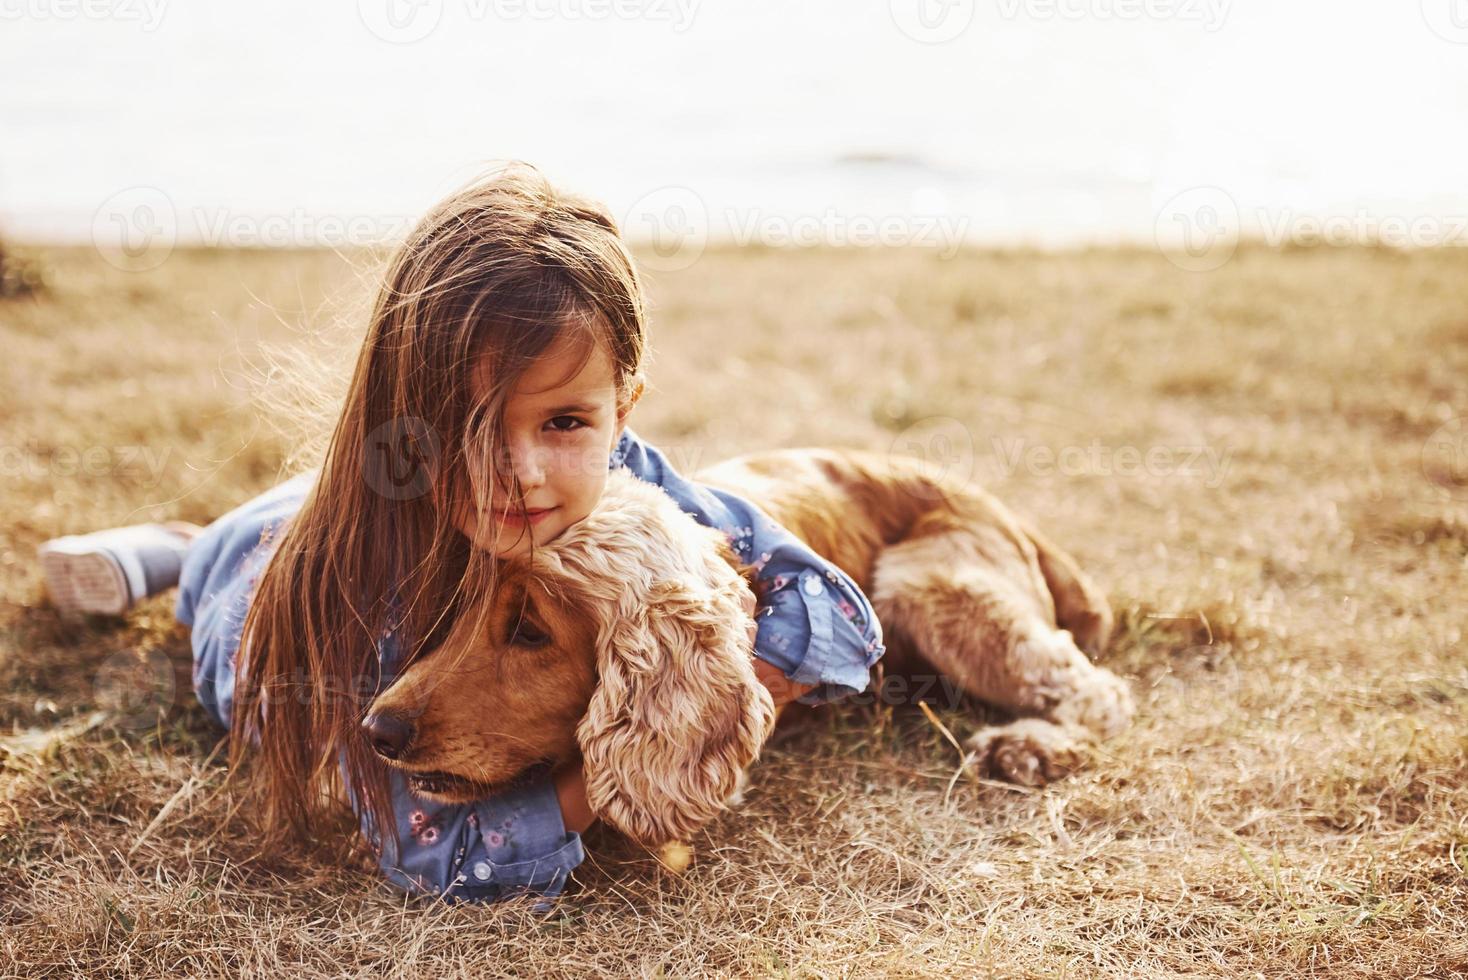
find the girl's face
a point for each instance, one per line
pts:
(561, 432)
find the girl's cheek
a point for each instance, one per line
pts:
(587, 460)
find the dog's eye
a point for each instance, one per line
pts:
(526, 635)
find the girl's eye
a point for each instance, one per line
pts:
(526, 635)
(576, 423)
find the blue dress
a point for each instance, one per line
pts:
(816, 626)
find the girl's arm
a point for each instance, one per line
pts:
(817, 627)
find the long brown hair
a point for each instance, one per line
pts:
(504, 268)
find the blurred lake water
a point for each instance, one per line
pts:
(909, 121)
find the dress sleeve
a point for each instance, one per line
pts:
(511, 843)
(815, 625)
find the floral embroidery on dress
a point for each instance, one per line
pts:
(423, 831)
(741, 539)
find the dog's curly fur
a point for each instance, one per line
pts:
(637, 657)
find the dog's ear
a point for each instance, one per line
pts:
(678, 712)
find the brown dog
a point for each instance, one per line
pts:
(625, 642)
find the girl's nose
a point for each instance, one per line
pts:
(528, 462)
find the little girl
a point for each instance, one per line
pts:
(489, 402)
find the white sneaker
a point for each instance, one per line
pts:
(107, 571)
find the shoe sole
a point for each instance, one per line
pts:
(83, 581)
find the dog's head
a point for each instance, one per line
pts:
(626, 642)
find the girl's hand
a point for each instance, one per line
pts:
(782, 689)
(749, 607)
(570, 783)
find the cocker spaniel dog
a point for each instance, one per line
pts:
(626, 641)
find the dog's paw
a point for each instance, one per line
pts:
(1031, 752)
(1103, 705)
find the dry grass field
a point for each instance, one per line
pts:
(1265, 466)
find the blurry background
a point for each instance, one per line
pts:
(1004, 121)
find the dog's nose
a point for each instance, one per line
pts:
(388, 733)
